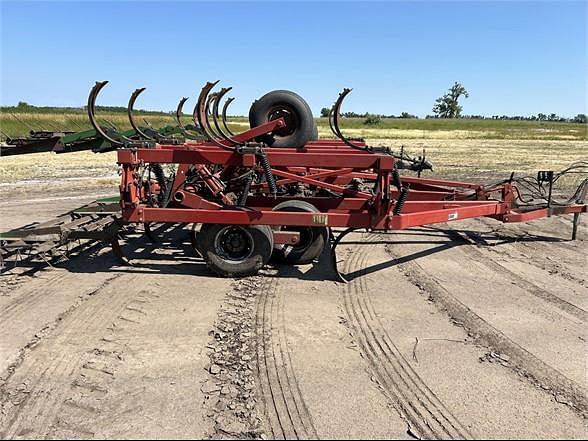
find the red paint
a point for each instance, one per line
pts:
(329, 165)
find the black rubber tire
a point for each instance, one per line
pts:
(301, 126)
(262, 243)
(313, 239)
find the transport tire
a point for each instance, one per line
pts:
(300, 125)
(235, 250)
(312, 239)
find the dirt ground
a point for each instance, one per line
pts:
(472, 329)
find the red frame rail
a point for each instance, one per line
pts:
(328, 165)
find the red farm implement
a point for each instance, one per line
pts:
(277, 190)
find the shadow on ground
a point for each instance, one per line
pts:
(168, 250)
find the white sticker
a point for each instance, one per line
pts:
(452, 216)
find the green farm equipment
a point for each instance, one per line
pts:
(95, 139)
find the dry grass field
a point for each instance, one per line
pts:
(16, 124)
(453, 158)
(459, 149)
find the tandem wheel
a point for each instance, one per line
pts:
(312, 239)
(235, 250)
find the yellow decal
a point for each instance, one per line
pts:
(320, 219)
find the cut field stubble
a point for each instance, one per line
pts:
(465, 159)
(459, 149)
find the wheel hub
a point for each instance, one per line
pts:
(234, 243)
(306, 237)
(289, 118)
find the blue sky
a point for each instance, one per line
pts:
(514, 57)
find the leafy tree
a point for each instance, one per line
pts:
(448, 106)
(580, 118)
(325, 112)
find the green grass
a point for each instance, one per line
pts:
(18, 124)
(458, 129)
(388, 128)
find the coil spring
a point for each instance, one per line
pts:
(162, 197)
(245, 193)
(402, 197)
(267, 171)
(396, 179)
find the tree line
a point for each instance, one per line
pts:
(405, 115)
(580, 118)
(24, 107)
(448, 106)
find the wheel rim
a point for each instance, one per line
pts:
(234, 243)
(307, 236)
(290, 118)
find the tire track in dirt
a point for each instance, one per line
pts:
(287, 414)
(486, 260)
(31, 296)
(536, 248)
(564, 390)
(565, 222)
(32, 395)
(522, 232)
(16, 316)
(514, 237)
(547, 226)
(90, 403)
(426, 415)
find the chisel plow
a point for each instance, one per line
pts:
(277, 191)
(105, 136)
